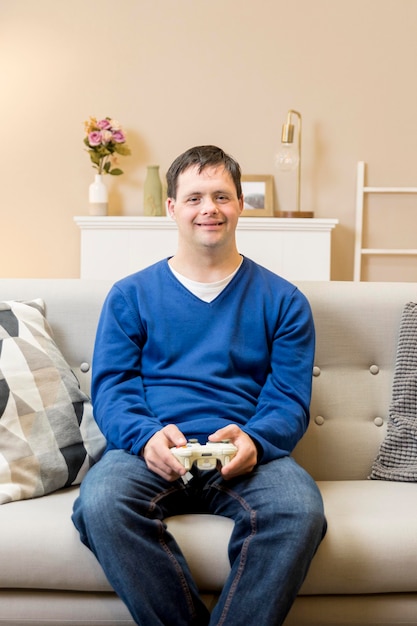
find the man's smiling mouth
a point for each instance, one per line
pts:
(209, 223)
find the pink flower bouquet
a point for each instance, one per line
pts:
(105, 139)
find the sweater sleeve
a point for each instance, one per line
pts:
(282, 413)
(118, 396)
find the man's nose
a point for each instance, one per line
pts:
(209, 206)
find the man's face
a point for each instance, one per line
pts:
(206, 208)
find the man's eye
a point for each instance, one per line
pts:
(222, 197)
(193, 199)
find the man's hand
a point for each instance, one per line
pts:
(247, 453)
(158, 456)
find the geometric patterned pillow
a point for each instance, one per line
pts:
(48, 436)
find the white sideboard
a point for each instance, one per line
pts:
(297, 249)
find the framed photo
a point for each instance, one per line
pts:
(258, 196)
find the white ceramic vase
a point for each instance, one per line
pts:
(98, 196)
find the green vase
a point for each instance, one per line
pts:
(152, 192)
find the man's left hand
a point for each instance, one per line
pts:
(247, 453)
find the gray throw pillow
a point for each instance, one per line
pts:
(397, 457)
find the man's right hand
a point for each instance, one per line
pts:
(158, 455)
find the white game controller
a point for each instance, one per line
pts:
(204, 456)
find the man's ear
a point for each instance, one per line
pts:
(170, 205)
(242, 202)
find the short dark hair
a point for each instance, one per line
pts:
(202, 157)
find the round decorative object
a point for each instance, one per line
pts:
(152, 192)
(98, 196)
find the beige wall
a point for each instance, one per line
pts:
(182, 72)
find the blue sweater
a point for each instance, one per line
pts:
(164, 356)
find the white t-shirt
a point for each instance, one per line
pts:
(205, 291)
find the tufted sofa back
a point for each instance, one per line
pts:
(357, 329)
(357, 326)
(72, 309)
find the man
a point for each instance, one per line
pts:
(208, 345)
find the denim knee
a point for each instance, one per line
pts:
(99, 491)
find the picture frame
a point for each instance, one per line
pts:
(257, 190)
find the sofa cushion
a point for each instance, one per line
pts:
(42, 548)
(397, 457)
(370, 546)
(371, 541)
(48, 437)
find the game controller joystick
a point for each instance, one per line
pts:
(204, 456)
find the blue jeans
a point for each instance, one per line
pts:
(279, 523)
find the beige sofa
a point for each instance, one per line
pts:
(365, 571)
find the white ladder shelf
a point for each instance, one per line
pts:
(361, 190)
